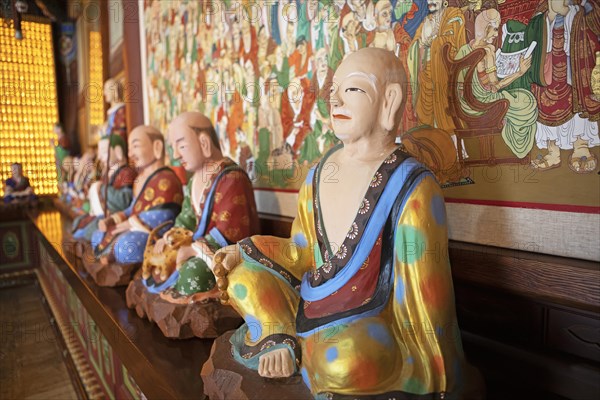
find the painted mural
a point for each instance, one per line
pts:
(500, 92)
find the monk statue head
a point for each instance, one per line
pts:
(112, 149)
(367, 96)
(194, 141)
(146, 147)
(113, 91)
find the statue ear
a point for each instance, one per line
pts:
(391, 105)
(157, 149)
(205, 145)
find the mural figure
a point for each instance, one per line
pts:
(383, 34)
(520, 120)
(567, 117)
(429, 79)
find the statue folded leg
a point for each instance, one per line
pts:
(268, 304)
(85, 225)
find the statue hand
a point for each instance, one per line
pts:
(103, 225)
(159, 246)
(184, 253)
(122, 227)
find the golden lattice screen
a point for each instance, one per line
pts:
(28, 105)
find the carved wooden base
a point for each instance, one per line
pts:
(111, 275)
(224, 378)
(181, 321)
(139, 298)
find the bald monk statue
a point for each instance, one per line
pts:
(218, 210)
(359, 300)
(157, 197)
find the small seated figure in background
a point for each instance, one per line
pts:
(359, 300)
(85, 172)
(113, 192)
(17, 188)
(218, 209)
(157, 194)
(61, 146)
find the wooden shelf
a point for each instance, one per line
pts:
(162, 368)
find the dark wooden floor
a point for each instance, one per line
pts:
(31, 364)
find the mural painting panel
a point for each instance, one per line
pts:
(503, 96)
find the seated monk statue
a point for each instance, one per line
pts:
(17, 188)
(157, 196)
(113, 192)
(359, 300)
(84, 175)
(218, 210)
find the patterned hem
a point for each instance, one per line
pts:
(250, 249)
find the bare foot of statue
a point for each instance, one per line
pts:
(276, 364)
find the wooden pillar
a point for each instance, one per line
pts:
(133, 65)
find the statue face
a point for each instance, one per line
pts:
(104, 149)
(355, 103)
(186, 146)
(16, 171)
(141, 149)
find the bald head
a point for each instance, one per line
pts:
(382, 66)
(145, 144)
(197, 122)
(149, 131)
(368, 93)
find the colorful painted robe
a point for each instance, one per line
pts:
(116, 123)
(224, 214)
(119, 195)
(374, 316)
(159, 201)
